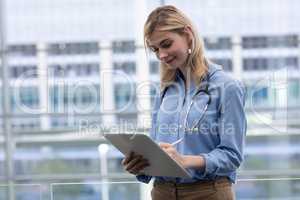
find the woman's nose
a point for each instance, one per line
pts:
(162, 55)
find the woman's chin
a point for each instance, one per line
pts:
(172, 65)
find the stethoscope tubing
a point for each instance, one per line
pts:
(190, 106)
(199, 120)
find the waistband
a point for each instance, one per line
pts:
(202, 183)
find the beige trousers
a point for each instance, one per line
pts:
(220, 189)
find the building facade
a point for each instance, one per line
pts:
(79, 69)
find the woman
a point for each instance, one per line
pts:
(200, 106)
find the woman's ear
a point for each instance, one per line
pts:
(188, 31)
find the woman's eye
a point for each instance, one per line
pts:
(166, 45)
(154, 49)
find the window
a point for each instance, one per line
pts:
(292, 62)
(24, 98)
(86, 95)
(126, 67)
(79, 98)
(69, 70)
(125, 97)
(293, 92)
(123, 46)
(28, 124)
(154, 91)
(73, 48)
(260, 95)
(24, 71)
(22, 50)
(257, 96)
(217, 43)
(226, 63)
(154, 67)
(254, 42)
(250, 64)
(88, 69)
(59, 98)
(29, 96)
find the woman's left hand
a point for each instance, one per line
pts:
(173, 153)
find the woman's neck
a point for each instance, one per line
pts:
(188, 76)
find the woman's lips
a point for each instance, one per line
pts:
(170, 60)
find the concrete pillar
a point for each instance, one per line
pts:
(143, 80)
(106, 84)
(237, 60)
(281, 110)
(103, 149)
(142, 64)
(43, 85)
(9, 141)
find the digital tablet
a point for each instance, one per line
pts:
(161, 164)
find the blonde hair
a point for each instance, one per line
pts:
(169, 18)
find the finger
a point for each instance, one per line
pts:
(165, 145)
(127, 158)
(133, 162)
(139, 166)
(170, 152)
(168, 149)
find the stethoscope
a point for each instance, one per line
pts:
(199, 90)
(193, 128)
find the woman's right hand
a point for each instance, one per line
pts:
(134, 163)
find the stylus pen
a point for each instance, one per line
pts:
(177, 141)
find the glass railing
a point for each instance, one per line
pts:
(75, 191)
(245, 189)
(268, 189)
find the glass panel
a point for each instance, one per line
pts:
(125, 97)
(57, 159)
(23, 71)
(110, 190)
(3, 191)
(224, 62)
(75, 48)
(24, 99)
(154, 91)
(252, 64)
(221, 43)
(23, 50)
(126, 67)
(154, 67)
(123, 46)
(1, 107)
(29, 191)
(294, 93)
(74, 70)
(254, 42)
(256, 189)
(79, 98)
(262, 155)
(2, 161)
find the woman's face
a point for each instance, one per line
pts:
(170, 48)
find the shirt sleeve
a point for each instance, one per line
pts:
(152, 132)
(228, 154)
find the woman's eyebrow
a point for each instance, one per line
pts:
(164, 40)
(160, 43)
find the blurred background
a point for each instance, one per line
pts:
(72, 70)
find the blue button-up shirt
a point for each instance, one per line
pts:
(216, 133)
